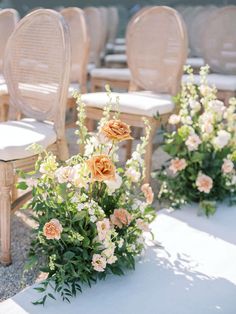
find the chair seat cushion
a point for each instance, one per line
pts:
(116, 58)
(220, 81)
(16, 136)
(112, 74)
(119, 49)
(133, 103)
(195, 62)
(3, 89)
(120, 41)
(90, 67)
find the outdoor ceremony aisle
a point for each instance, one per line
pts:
(194, 273)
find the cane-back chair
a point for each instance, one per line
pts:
(156, 62)
(75, 19)
(94, 25)
(113, 23)
(219, 51)
(8, 21)
(36, 69)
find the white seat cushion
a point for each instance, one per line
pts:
(220, 81)
(16, 136)
(119, 49)
(120, 41)
(133, 103)
(122, 74)
(3, 89)
(120, 58)
(195, 62)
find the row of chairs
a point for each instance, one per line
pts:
(37, 69)
(211, 41)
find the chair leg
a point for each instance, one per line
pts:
(62, 148)
(6, 182)
(148, 155)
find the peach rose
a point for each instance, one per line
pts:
(148, 193)
(101, 168)
(227, 166)
(142, 225)
(177, 165)
(117, 130)
(121, 217)
(204, 183)
(52, 229)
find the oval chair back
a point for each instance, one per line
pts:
(94, 25)
(37, 67)
(75, 19)
(219, 41)
(157, 50)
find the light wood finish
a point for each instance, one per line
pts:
(104, 15)
(75, 19)
(113, 23)
(219, 44)
(98, 84)
(8, 21)
(79, 38)
(37, 69)
(156, 61)
(94, 25)
(220, 41)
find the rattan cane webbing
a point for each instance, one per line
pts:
(36, 65)
(220, 41)
(8, 21)
(75, 19)
(94, 25)
(157, 49)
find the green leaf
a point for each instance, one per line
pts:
(68, 255)
(51, 296)
(22, 185)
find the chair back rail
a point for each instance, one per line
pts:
(157, 50)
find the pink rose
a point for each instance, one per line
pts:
(177, 165)
(227, 166)
(204, 183)
(148, 193)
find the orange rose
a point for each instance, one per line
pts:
(148, 193)
(121, 217)
(52, 229)
(117, 130)
(101, 168)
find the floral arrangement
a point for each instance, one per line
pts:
(202, 148)
(91, 214)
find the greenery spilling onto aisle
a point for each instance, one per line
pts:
(202, 148)
(91, 214)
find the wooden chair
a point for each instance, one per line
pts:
(117, 75)
(113, 23)
(75, 19)
(94, 25)
(8, 21)
(156, 62)
(219, 51)
(104, 15)
(36, 69)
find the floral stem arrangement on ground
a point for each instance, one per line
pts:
(91, 214)
(202, 148)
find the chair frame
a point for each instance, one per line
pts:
(8, 196)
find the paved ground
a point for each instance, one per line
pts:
(193, 273)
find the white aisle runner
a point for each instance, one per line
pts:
(195, 273)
